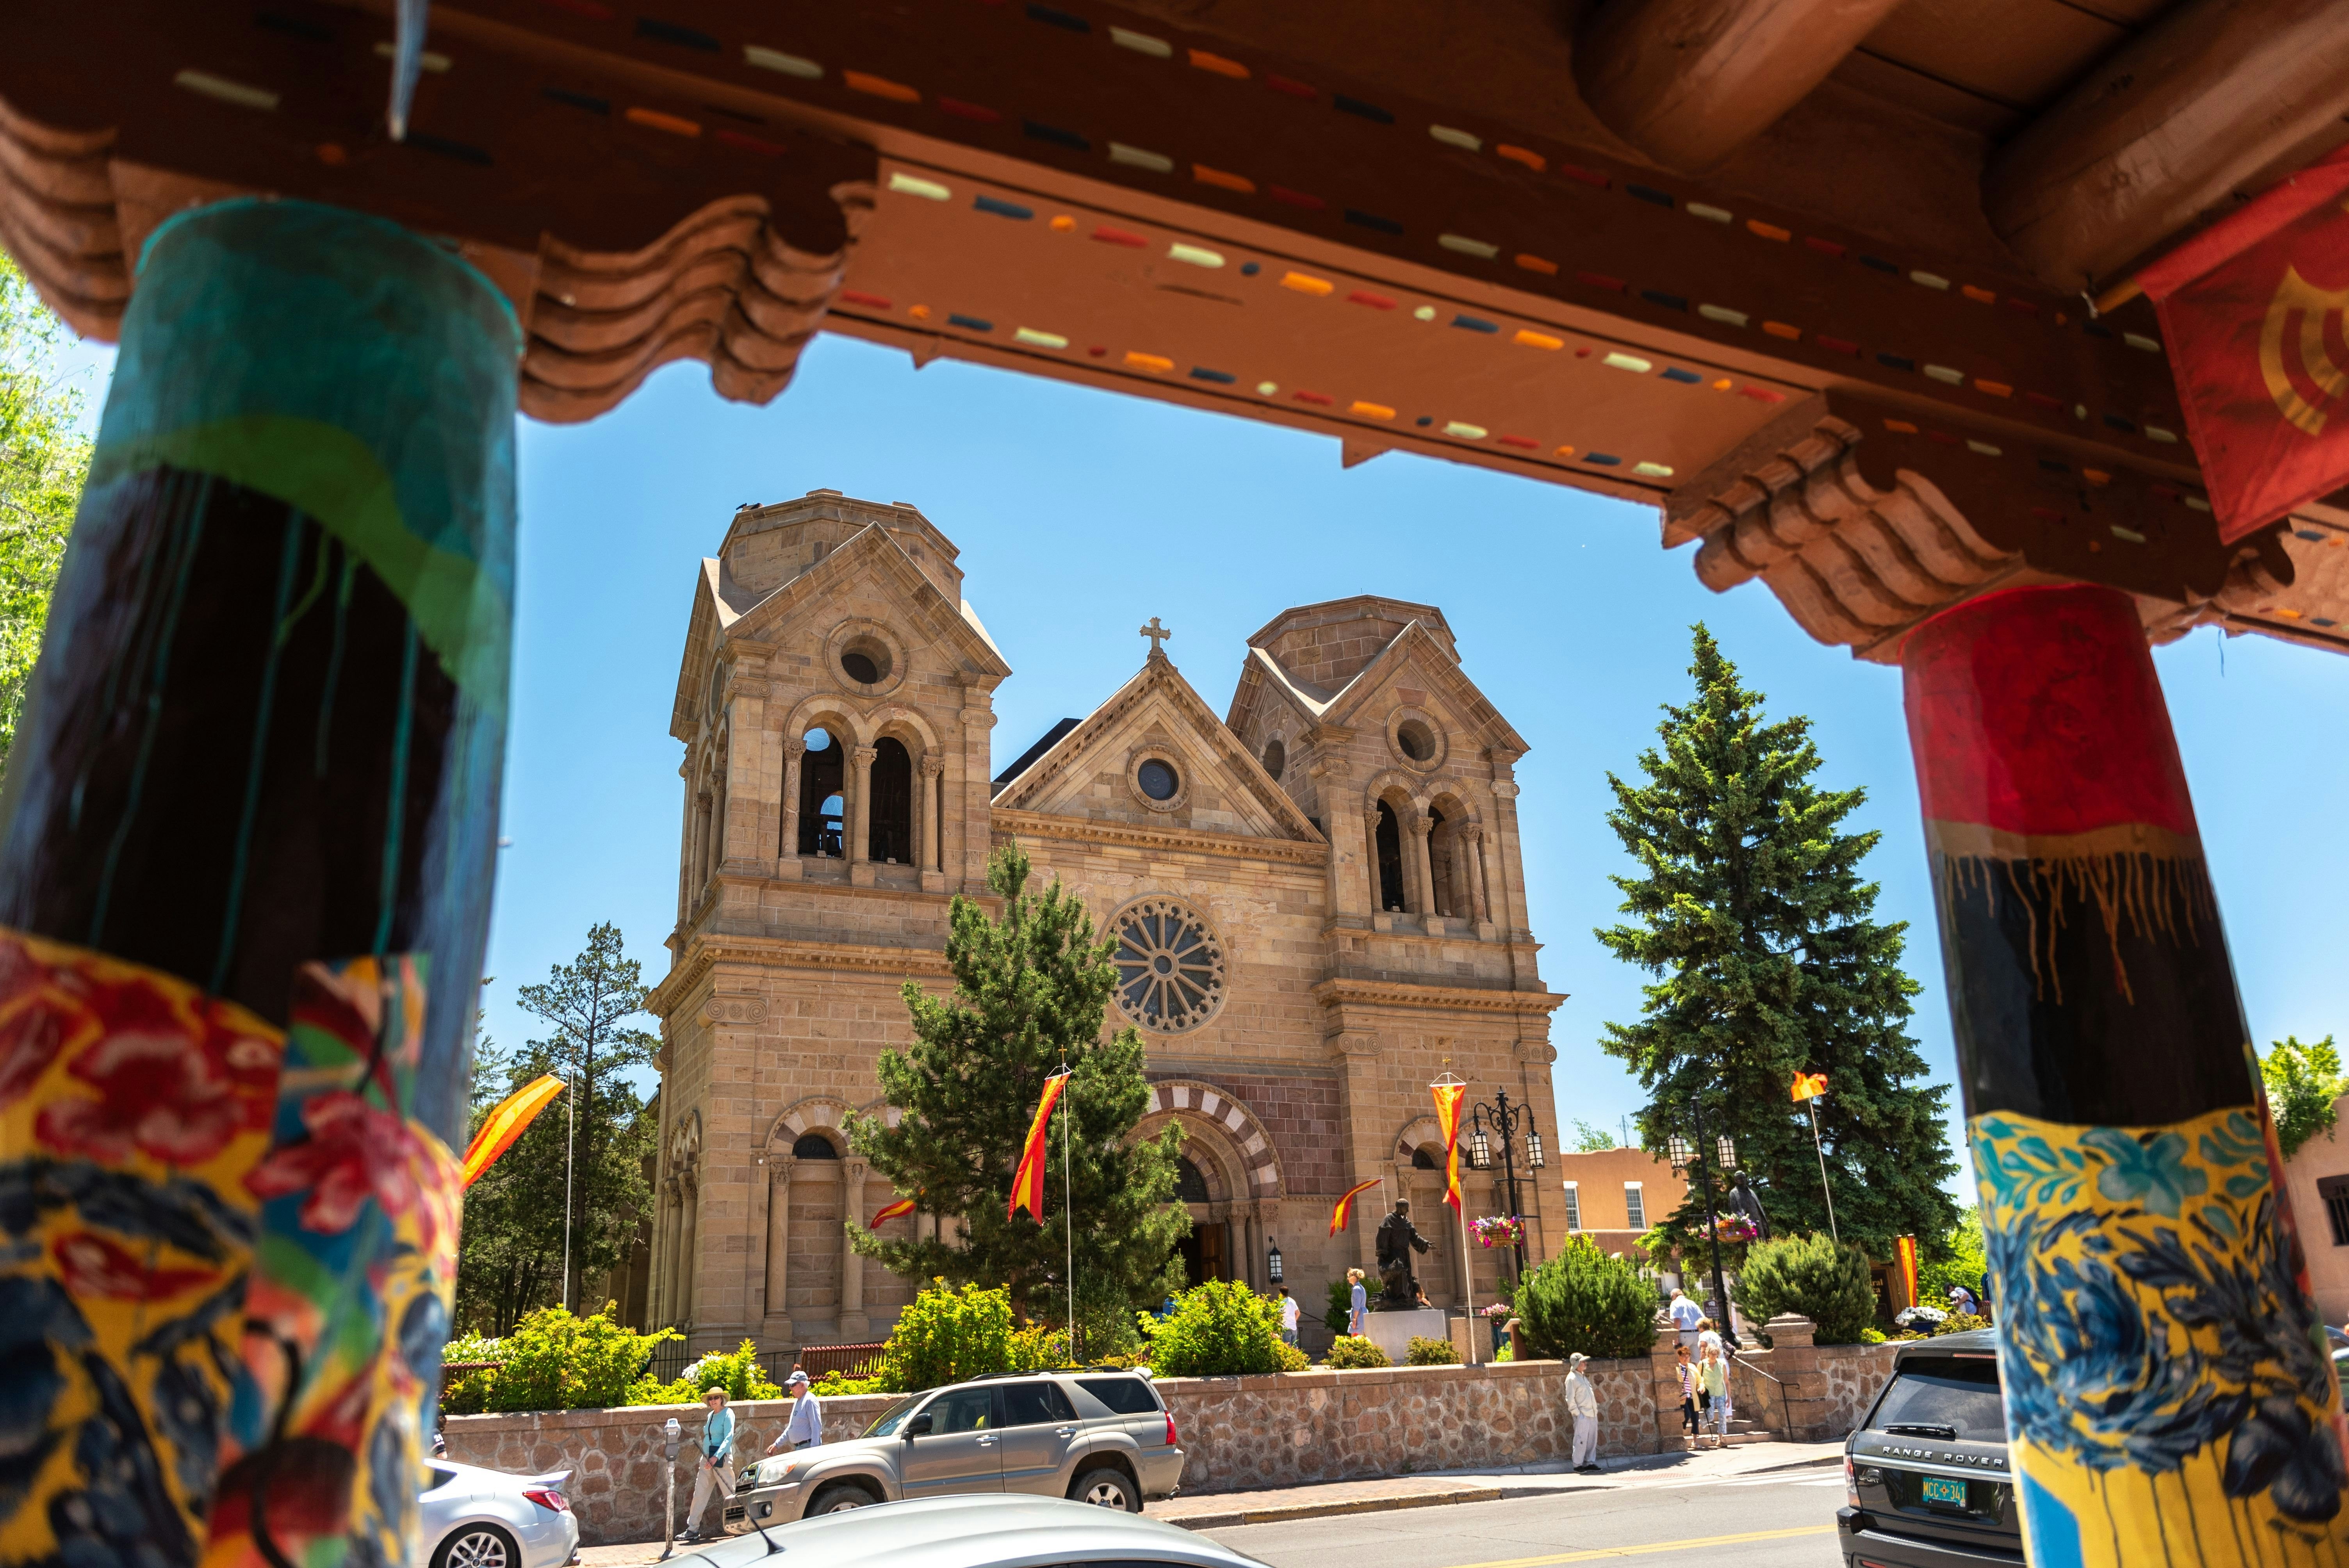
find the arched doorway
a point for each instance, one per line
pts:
(1206, 1251)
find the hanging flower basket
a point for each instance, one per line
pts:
(1494, 1232)
(1736, 1228)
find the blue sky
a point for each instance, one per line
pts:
(1080, 514)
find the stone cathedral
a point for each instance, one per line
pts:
(1319, 899)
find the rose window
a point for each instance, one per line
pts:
(1170, 967)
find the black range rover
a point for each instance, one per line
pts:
(1926, 1472)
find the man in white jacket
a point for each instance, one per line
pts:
(1582, 1404)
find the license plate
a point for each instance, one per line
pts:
(1950, 1491)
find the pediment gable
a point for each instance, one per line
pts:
(1418, 670)
(1090, 774)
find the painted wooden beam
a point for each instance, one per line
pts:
(2217, 95)
(1688, 82)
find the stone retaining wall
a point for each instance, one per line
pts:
(1237, 1433)
(1811, 1393)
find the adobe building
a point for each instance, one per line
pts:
(1613, 1195)
(1319, 896)
(2316, 1179)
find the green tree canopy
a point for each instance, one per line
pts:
(1585, 1139)
(1032, 989)
(1749, 908)
(510, 1256)
(43, 458)
(2302, 1083)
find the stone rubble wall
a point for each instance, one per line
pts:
(1237, 1433)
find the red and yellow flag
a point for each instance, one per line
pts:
(513, 1114)
(1028, 1182)
(1905, 1251)
(2256, 310)
(1447, 1116)
(1345, 1209)
(902, 1206)
(1809, 1085)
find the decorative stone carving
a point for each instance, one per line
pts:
(727, 1007)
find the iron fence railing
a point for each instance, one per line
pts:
(669, 1360)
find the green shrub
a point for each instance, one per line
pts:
(1583, 1300)
(1352, 1352)
(1964, 1265)
(1826, 1282)
(1958, 1323)
(1507, 1352)
(1292, 1359)
(1424, 1352)
(947, 1335)
(1219, 1329)
(738, 1372)
(833, 1382)
(552, 1361)
(1036, 1348)
(1342, 1304)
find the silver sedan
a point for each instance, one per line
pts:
(980, 1531)
(475, 1518)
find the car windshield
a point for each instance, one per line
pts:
(893, 1417)
(1944, 1397)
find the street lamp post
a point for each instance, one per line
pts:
(1680, 1162)
(1507, 1121)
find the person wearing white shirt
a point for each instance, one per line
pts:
(1582, 1404)
(1686, 1315)
(1288, 1316)
(805, 1428)
(1708, 1338)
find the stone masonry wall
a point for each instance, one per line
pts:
(1237, 1433)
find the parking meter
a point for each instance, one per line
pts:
(673, 1439)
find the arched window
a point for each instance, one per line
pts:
(1439, 865)
(813, 1146)
(1390, 858)
(891, 815)
(1190, 1186)
(1425, 1159)
(819, 803)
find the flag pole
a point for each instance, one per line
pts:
(1068, 1210)
(1812, 1105)
(1467, 1261)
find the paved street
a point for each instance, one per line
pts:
(1783, 1520)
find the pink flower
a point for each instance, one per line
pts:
(159, 1092)
(97, 1269)
(353, 1152)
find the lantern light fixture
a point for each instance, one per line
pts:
(1678, 1149)
(1272, 1263)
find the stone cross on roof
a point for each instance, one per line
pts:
(1157, 634)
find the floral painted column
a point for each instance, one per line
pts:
(245, 859)
(2169, 1399)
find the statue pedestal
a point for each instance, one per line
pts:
(1392, 1331)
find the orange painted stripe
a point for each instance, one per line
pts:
(653, 120)
(1533, 161)
(1538, 264)
(1220, 66)
(1206, 176)
(879, 87)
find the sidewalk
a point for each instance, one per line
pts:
(1218, 1510)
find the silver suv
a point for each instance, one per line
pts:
(1101, 1437)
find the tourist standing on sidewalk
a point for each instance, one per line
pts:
(1358, 1316)
(1686, 1315)
(1582, 1404)
(716, 1472)
(805, 1428)
(1687, 1370)
(1713, 1377)
(1288, 1314)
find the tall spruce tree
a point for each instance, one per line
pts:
(1749, 908)
(1030, 992)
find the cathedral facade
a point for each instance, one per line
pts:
(1319, 900)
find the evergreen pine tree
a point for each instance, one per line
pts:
(1030, 992)
(1749, 908)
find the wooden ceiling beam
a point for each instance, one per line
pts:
(2168, 129)
(1688, 82)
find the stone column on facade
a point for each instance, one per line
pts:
(1422, 870)
(969, 789)
(860, 805)
(689, 1270)
(664, 1255)
(684, 844)
(1268, 1217)
(853, 1323)
(1251, 1246)
(718, 835)
(1473, 850)
(1371, 836)
(928, 833)
(778, 1243)
(787, 844)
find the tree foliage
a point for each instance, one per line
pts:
(2302, 1083)
(1826, 1281)
(1220, 1328)
(1585, 1139)
(1749, 909)
(1962, 1261)
(551, 1360)
(947, 1335)
(44, 458)
(510, 1259)
(1582, 1300)
(1031, 988)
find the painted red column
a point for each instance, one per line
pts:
(2168, 1396)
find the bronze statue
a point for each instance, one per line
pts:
(1748, 1204)
(1398, 1238)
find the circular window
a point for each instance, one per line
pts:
(865, 657)
(1170, 967)
(1158, 780)
(866, 660)
(860, 667)
(1418, 741)
(1276, 758)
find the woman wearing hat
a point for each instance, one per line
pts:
(716, 1472)
(805, 1428)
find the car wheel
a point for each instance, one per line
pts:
(1107, 1488)
(477, 1546)
(839, 1498)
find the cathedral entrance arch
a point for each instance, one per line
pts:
(1230, 1181)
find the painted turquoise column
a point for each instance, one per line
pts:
(246, 850)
